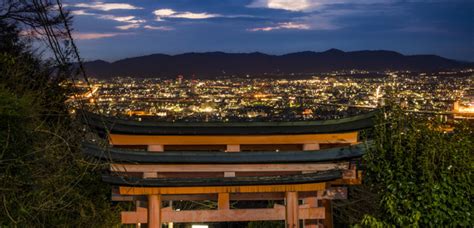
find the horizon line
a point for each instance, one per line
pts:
(265, 53)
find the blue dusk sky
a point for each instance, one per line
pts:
(113, 30)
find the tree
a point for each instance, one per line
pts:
(421, 173)
(44, 178)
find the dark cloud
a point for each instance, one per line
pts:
(275, 26)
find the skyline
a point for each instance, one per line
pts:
(112, 30)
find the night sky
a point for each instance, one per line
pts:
(112, 30)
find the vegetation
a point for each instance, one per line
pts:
(44, 181)
(421, 174)
(417, 174)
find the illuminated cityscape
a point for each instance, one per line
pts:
(326, 96)
(236, 114)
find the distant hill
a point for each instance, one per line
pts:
(215, 64)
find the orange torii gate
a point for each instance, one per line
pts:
(305, 164)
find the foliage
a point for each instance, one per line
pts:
(360, 201)
(422, 174)
(44, 179)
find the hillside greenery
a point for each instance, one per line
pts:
(45, 180)
(421, 173)
(417, 173)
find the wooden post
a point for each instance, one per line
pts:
(150, 175)
(233, 148)
(223, 201)
(229, 174)
(292, 220)
(171, 224)
(312, 202)
(311, 146)
(155, 148)
(137, 207)
(154, 211)
(328, 217)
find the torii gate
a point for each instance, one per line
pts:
(306, 161)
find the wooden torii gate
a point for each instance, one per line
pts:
(305, 164)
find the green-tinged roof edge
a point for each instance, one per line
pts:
(120, 126)
(202, 157)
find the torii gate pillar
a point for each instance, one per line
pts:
(292, 220)
(154, 211)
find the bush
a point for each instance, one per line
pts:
(421, 173)
(44, 178)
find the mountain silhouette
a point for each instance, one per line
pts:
(217, 64)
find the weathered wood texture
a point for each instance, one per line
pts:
(226, 167)
(119, 139)
(124, 190)
(292, 209)
(330, 193)
(154, 217)
(232, 215)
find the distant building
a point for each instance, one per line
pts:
(464, 111)
(179, 79)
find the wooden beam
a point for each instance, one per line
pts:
(137, 208)
(223, 201)
(233, 148)
(127, 190)
(155, 148)
(150, 174)
(345, 181)
(154, 211)
(197, 175)
(330, 193)
(292, 218)
(120, 139)
(229, 174)
(226, 167)
(232, 215)
(311, 146)
(257, 196)
(310, 202)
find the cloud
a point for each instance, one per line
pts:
(127, 19)
(284, 25)
(291, 5)
(169, 13)
(127, 27)
(93, 36)
(164, 28)
(164, 12)
(107, 6)
(309, 5)
(291, 25)
(190, 15)
(131, 21)
(81, 13)
(319, 15)
(117, 18)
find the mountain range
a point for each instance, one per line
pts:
(217, 64)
